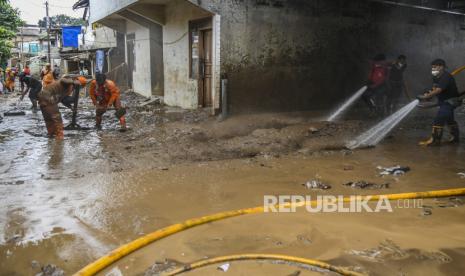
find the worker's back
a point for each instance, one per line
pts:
(55, 92)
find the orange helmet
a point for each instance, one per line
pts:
(82, 80)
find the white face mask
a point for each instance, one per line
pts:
(435, 73)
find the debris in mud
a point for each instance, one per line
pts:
(385, 250)
(346, 152)
(114, 272)
(426, 211)
(14, 239)
(366, 185)
(450, 202)
(304, 239)
(313, 130)
(154, 101)
(35, 264)
(461, 174)
(396, 170)
(17, 182)
(388, 250)
(316, 184)
(14, 113)
(348, 168)
(35, 134)
(51, 270)
(159, 267)
(295, 273)
(224, 267)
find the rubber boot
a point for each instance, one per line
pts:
(34, 106)
(98, 122)
(122, 122)
(454, 132)
(435, 139)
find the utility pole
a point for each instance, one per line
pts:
(48, 32)
(22, 48)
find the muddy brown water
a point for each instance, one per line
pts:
(66, 204)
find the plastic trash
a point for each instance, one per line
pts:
(224, 267)
(396, 170)
(366, 185)
(316, 184)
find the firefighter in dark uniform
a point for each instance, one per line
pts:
(445, 90)
(396, 83)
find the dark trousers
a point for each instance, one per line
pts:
(375, 98)
(34, 92)
(445, 115)
(393, 97)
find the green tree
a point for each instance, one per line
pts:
(61, 20)
(10, 21)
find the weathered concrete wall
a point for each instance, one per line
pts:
(180, 90)
(154, 55)
(102, 8)
(104, 38)
(141, 74)
(306, 54)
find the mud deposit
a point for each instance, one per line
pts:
(64, 204)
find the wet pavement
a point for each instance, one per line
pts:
(67, 203)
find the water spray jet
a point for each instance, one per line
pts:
(347, 104)
(375, 134)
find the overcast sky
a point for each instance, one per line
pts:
(33, 10)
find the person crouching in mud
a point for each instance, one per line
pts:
(49, 98)
(105, 94)
(445, 90)
(31, 86)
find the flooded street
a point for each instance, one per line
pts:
(68, 203)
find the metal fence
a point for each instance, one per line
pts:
(119, 75)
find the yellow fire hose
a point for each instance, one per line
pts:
(458, 70)
(126, 249)
(274, 257)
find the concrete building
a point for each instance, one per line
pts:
(278, 55)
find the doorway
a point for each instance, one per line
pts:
(201, 59)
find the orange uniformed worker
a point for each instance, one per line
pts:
(10, 79)
(104, 94)
(49, 98)
(47, 75)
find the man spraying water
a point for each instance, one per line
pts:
(445, 90)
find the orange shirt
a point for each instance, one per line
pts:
(47, 79)
(108, 93)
